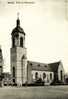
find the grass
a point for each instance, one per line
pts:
(46, 92)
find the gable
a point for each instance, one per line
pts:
(54, 66)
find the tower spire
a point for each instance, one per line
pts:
(18, 21)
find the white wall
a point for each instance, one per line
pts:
(40, 74)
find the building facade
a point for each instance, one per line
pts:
(24, 71)
(1, 66)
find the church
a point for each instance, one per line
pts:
(25, 71)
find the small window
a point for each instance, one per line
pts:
(21, 42)
(50, 76)
(45, 65)
(38, 65)
(44, 75)
(31, 64)
(36, 75)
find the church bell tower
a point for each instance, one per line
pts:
(18, 55)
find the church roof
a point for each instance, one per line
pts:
(53, 67)
(39, 66)
(18, 28)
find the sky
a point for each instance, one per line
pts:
(45, 23)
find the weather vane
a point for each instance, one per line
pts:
(18, 15)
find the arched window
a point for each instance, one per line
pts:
(21, 42)
(0, 50)
(13, 44)
(36, 75)
(13, 71)
(44, 75)
(61, 75)
(50, 76)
